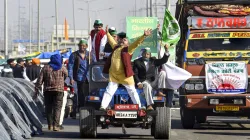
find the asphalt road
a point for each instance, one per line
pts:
(217, 128)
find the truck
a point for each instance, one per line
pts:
(215, 49)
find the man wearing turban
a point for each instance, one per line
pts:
(146, 78)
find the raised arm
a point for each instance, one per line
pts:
(111, 40)
(135, 44)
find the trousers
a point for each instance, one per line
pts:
(53, 106)
(148, 86)
(64, 102)
(111, 89)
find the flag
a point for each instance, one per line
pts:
(170, 29)
(66, 34)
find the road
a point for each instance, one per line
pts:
(217, 128)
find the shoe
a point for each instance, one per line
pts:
(143, 108)
(61, 127)
(160, 94)
(50, 127)
(150, 108)
(56, 128)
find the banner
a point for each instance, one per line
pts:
(219, 35)
(198, 22)
(226, 77)
(135, 29)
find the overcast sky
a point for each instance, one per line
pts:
(114, 17)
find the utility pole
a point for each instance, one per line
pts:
(30, 26)
(38, 27)
(74, 23)
(151, 8)
(5, 29)
(56, 12)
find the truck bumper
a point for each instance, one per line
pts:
(200, 104)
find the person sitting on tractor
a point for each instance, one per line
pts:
(119, 67)
(145, 74)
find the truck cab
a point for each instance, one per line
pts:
(215, 49)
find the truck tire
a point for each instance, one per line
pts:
(187, 118)
(163, 123)
(88, 128)
(201, 119)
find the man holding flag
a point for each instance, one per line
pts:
(98, 38)
(171, 36)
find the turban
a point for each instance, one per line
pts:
(36, 61)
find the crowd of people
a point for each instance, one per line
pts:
(107, 45)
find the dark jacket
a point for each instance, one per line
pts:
(107, 49)
(18, 71)
(126, 60)
(33, 72)
(140, 68)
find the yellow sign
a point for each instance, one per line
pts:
(227, 108)
(218, 54)
(219, 35)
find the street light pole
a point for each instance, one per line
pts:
(135, 8)
(57, 41)
(151, 8)
(38, 26)
(19, 20)
(89, 17)
(30, 26)
(5, 29)
(147, 8)
(74, 20)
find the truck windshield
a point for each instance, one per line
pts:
(219, 44)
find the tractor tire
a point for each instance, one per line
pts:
(163, 123)
(187, 118)
(88, 127)
(201, 119)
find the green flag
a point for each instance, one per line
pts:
(170, 29)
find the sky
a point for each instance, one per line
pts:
(114, 17)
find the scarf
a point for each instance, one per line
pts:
(97, 42)
(55, 62)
